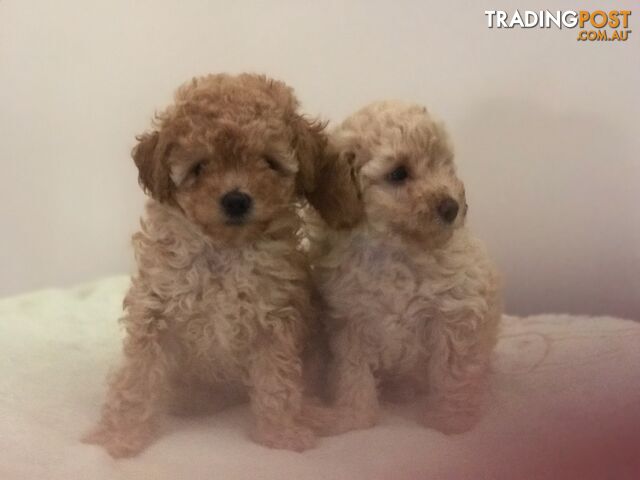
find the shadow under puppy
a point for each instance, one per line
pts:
(412, 300)
(220, 307)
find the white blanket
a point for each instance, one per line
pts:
(564, 403)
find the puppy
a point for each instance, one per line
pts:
(220, 307)
(412, 300)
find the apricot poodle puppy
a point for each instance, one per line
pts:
(220, 307)
(412, 300)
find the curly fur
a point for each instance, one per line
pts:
(218, 311)
(412, 301)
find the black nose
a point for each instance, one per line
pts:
(236, 204)
(448, 209)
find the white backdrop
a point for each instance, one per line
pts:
(546, 127)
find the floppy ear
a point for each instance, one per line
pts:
(153, 173)
(336, 195)
(309, 145)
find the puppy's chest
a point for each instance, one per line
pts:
(389, 293)
(377, 278)
(385, 285)
(220, 309)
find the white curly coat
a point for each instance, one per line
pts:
(412, 303)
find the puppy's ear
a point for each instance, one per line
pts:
(337, 195)
(153, 173)
(309, 145)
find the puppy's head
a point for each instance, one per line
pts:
(232, 154)
(390, 165)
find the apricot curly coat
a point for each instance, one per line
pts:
(218, 311)
(412, 300)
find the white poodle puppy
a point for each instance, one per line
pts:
(412, 300)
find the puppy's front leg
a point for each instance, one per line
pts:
(353, 383)
(275, 376)
(458, 369)
(135, 393)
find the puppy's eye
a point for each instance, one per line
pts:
(398, 175)
(272, 163)
(197, 169)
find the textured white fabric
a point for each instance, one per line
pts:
(564, 403)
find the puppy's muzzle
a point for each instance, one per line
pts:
(448, 209)
(236, 205)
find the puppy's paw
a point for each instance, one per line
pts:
(450, 421)
(291, 437)
(342, 419)
(355, 423)
(120, 443)
(318, 417)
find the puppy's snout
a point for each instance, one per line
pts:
(448, 209)
(236, 204)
